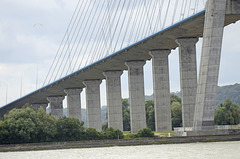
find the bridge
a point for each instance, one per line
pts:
(198, 98)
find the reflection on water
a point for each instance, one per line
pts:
(216, 150)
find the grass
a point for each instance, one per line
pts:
(129, 135)
(164, 133)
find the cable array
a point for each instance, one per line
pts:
(100, 28)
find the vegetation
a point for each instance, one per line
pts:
(176, 112)
(146, 132)
(228, 113)
(150, 116)
(126, 115)
(27, 125)
(231, 91)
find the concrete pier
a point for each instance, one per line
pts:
(188, 78)
(114, 99)
(39, 105)
(74, 102)
(136, 95)
(209, 66)
(161, 90)
(56, 105)
(93, 104)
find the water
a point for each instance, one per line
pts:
(214, 150)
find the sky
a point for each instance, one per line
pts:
(31, 32)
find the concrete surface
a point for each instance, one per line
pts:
(136, 95)
(188, 78)
(93, 104)
(74, 102)
(114, 99)
(161, 90)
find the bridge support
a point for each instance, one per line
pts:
(56, 105)
(39, 105)
(73, 102)
(188, 77)
(93, 104)
(136, 95)
(161, 90)
(114, 99)
(209, 66)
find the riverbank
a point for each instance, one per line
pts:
(121, 142)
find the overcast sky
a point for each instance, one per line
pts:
(31, 31)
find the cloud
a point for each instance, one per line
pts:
(24, 46)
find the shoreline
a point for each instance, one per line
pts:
(116, 142)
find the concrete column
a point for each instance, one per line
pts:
(136, 95)
(56, 105)
(161, 90)
(188, 78)
(39, 105)
(74, 102)
(114, 99)
(93, 104)
(209, 66)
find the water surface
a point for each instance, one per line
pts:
(214, 150)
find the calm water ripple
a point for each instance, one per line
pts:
(215, 150)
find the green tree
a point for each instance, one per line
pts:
(69, 129)
(105, 126)
(150, 116)
(4, 134)
(92, 134)
(176, 114)
(46, 125)
(111, 133)
(21, 125)
(228, 113)
(126, 115)
(146, 132)
(174, 98)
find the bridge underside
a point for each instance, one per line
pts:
(165, 39)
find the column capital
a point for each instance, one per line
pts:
(135, 63)
(55, 98)
(186, 41)
(92, 82)
(159, 53)
(116, 73)
(73, 91)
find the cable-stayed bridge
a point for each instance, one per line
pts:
(111, 55)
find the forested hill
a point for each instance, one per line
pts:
(223, 92)
(229, 91)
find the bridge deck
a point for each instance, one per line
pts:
(164, 39)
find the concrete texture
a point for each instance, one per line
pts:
(161, 90)
(209, 66)
(188, 78)
(39, 105)
(56, 105)
(74, 102)
(114, 99)
(164, 39)
(233, 7)
(93, 104)
(136, 95)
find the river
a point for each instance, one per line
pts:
(212, 150)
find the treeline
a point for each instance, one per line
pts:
(176, 113)
(28, 125)
(227, 113)
(230, 91)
